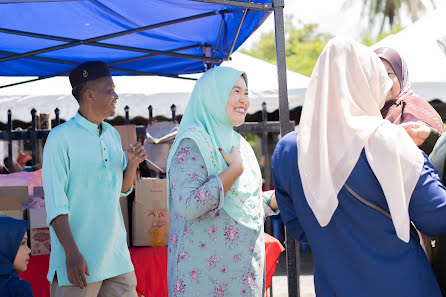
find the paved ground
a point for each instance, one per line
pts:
(280, 282)
(280, 287)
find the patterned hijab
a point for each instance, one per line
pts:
(400, 68)
(407, 107)
(206, 122)
(341, 117)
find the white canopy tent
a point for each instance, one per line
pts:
(138, 92)
(426, 61)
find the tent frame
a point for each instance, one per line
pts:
(292, 256)
(71, 42)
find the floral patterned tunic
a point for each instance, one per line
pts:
(210, 254)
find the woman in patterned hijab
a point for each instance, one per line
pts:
(402, 105)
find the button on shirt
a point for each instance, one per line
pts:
(82, 178)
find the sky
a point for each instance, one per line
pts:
(337, 17)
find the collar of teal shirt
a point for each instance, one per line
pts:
(92, 127)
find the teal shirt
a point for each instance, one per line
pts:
(82, 177)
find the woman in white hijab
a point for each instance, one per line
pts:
(351, 183)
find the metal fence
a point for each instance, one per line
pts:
(267, 130)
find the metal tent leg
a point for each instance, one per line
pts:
(292, 264)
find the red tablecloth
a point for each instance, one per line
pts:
(150, 268)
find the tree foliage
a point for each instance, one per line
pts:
(389, 10)
(368, 40)
(303, 47)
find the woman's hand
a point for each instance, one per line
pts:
(273, 202)
(235, 169)
(234, 159)
(419, 132)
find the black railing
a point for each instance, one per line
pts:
(266, 129)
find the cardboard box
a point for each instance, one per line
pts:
(37, 200)
(150, 217)
(39, 232)
(125, 215)
(38, 192)
(159, 139)
(128, 135)
(11, 207)
(16, 191)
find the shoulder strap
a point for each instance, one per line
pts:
(368, 203)
(377, 208)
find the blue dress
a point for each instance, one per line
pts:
(358, 254)
(209, 253)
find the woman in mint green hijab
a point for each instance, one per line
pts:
(217, 207)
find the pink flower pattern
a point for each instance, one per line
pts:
(231, 234)
(211, 230)
(211, 261)
(249, 279)
(179, 287)
(197, 264)
(174, 240)
(192, 175)
(220, 290)
(181, 257)
(195, 276)
(237, 258)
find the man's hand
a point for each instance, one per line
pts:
(76, 266)
(419, 132)
(136, 155)
(77, 269)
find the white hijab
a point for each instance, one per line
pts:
(340, 117)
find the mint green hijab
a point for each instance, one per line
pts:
(206, 122)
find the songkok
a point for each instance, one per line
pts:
(87, 71)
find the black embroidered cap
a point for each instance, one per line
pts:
(87, 71)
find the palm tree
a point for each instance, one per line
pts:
(390, 9)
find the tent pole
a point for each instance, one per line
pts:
(33, 1)
(110, 64)
(218, 38)
(238, 31)
(257, 6)
(111, 68)
(153, 55)
(155, 52)
(136, 72)
(293, 267)
(24, 82)
(93, 41)
(114, 46)
(284, 112)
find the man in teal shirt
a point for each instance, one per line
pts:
(84, 173)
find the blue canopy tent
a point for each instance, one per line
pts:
(169, 38)
(47, 38)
